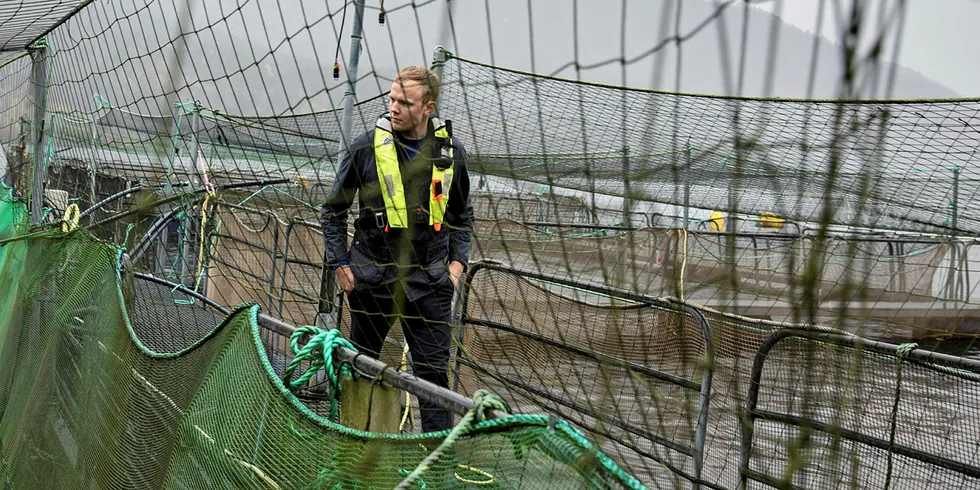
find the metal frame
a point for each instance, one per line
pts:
(442, 397)
(190, 292)
(703, 388)
(283, 288)
(924, 358)
(39, 78)
(695, 451)
(273, 252)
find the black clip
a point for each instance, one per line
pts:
(443, 148)
(379, 219)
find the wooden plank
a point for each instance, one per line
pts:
(369, 406)
(372, 406)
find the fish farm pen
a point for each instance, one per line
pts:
(664, 289)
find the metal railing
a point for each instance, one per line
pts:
(695, 449)
(372, 368)
(943, 364)
(282, 256)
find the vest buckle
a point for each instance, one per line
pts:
(443, 153)
(380, 220)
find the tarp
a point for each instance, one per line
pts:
(21, 21)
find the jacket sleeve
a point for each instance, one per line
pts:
(333, 216)
(459, 211)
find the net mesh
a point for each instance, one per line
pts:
(25, 21)
(127, 416)
(636, 400)
(738, 155)
(635, 251)
(859, 441)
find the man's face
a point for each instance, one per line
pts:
(407, 109)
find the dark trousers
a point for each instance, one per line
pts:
(426, 324)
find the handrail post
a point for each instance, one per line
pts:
(459, 318)
(704, 395)
(326, 311)
(39, 78)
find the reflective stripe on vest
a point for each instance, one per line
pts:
(390, 178)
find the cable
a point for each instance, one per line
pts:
(336, 56)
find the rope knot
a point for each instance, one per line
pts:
(484, 400)
(904, 349)
(319, 351)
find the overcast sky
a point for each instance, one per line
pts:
(275, 57)
(940, 37)
(546, 36)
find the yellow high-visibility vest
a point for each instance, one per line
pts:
(390, 177)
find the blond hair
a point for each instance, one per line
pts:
(424, 76)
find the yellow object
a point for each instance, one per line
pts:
(390, 178)
(408, 396)
(680, 278)
(488, 478)
(70, 219)
(716, 221)
(200, 251)
(302, 181)
(769, 220)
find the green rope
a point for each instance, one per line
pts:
(481, 401)
(902, 352)
(280, 191)
(326, 341)
(129, 228)
(172, 274)
(173, 147)
(44, 230)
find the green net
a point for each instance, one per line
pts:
(661, 220)
(12, 214)
(85, 403)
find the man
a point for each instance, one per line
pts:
(412, 236)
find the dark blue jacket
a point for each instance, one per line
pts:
(415, 258)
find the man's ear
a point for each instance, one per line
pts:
(430, 107)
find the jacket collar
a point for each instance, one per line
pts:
(384, 122)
